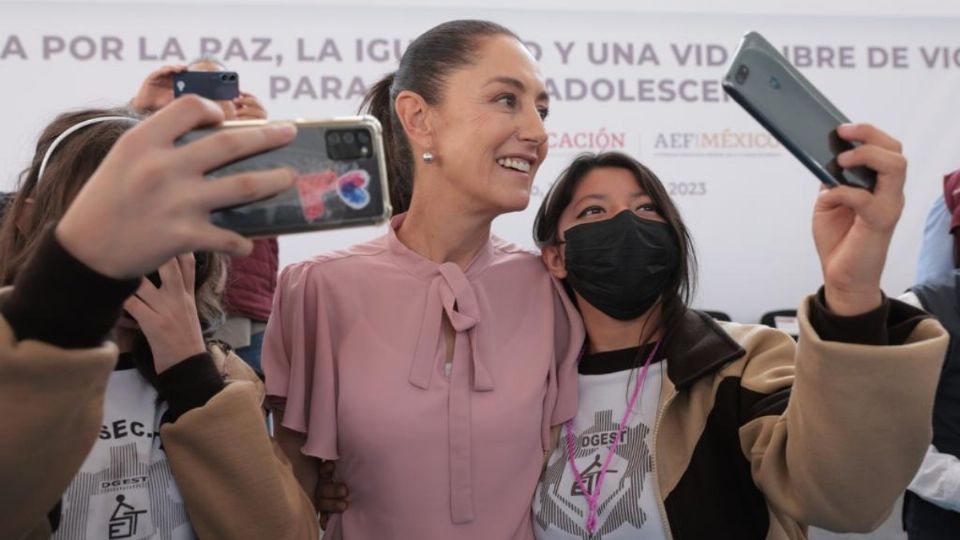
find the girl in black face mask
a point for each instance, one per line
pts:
(688, 428)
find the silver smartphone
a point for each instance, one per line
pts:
(341, 179)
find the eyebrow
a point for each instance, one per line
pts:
(518, 84)
(589, 197)
(598, 197)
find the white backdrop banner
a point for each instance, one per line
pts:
(643, 83)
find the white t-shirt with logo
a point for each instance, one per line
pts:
(125, 489)
(627, 507)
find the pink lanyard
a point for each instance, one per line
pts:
(593, 498)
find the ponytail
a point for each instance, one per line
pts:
(424, 69)
(379, 103)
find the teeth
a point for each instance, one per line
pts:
(521, 165)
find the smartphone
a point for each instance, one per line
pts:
(215, 85)
(341, 179)
(764, 83)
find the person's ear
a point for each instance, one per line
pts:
(415, 115)
(554, 261)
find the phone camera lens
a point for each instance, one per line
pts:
(348, 144)
(742, 73)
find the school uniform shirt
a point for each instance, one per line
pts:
(430, 450)
(627, 507)
(125, 488)
(759, 436)
(53, 323)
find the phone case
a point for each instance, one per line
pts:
(215, 85)
(781, 99)
(331, 191)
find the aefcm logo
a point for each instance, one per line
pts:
(724, 143)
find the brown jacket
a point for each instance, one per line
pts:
(759, 436)
(235, 481)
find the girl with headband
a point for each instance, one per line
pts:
(169, 441)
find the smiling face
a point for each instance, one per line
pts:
(488, 130)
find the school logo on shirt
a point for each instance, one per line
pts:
(124, 521)
(561, 500)
(590, 477)
(127, 499)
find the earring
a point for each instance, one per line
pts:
(428, 157)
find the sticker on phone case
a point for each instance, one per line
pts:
(311, 188)
(351, 188)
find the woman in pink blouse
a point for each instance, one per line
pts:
(432, 362)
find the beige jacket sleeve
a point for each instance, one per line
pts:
(52, 403)
(235, 480)
(856, 426)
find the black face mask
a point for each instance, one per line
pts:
(621, 265)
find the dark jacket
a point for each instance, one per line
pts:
(922, 519)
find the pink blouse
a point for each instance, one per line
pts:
(355, 347)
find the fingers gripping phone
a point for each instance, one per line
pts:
(215, 85)
(341, 179)
(764, 83)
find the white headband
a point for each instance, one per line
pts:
(71, 130)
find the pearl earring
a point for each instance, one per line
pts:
(428, 157)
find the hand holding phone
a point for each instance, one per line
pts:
(148, 200)
(778, 96)
(853, 228)
(864, 167)
(156, 91)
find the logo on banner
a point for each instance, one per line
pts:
(724, 143)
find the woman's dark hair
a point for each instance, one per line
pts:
(424, 69)
(39, 202)
(546, 226)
